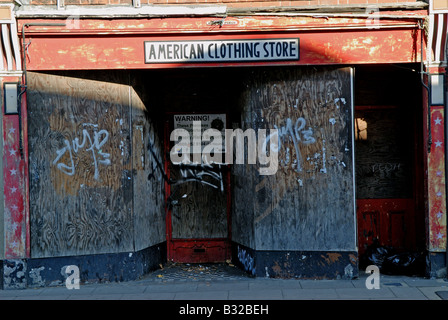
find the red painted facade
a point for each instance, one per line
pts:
(321, 42)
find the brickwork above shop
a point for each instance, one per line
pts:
(230, 3)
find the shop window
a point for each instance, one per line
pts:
(360, 129)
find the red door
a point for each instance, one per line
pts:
(385, 177)
(389, 221)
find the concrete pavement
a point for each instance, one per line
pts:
(214, 294)
(157, 287)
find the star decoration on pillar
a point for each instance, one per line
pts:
(14, 226)
(438, 121)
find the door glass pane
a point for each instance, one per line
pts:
(383, 139)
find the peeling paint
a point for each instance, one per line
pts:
(97, 49)
(14, 274)
(36, 277)
(348, 271)
(331, 257)
(276, 268)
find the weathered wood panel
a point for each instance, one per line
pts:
(148, 175)
(80, 166)
(201, 208)
(245, 190)
(309, 203)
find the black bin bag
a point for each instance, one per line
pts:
(392, 262)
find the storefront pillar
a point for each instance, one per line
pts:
(436, 62)
(14, 220)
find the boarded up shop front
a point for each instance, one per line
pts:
(303, 220)
(110, 191)
(104, 194)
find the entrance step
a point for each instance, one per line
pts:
(197, 272)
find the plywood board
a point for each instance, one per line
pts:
(148, 173)
(80, 165)
(308, 204)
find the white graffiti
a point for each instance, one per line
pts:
(298, 133)
(193, 172)
(100, 137)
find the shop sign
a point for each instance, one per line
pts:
(212, 51)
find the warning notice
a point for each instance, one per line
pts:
(207, 121)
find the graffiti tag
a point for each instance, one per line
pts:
(89, 144)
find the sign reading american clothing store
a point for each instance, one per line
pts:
(210, 51)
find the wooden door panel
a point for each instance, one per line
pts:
(384, 176)
(396, 230)
(198, 215)
(390, 221)
(368, 222)
(200, 208)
